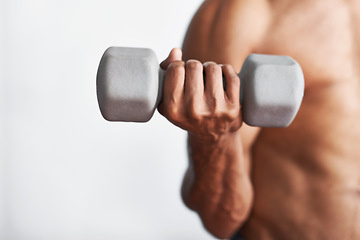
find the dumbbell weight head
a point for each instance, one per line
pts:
(272, 89)
(129, 87)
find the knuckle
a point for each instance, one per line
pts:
(212, 67)
(194, 115)
(228, 67)
(230, 71)
(219, 114)
(227, 112)
(193, 112)
(194, 65)
(172, 111)
(195, 120)
(176, 68)
(234, 112)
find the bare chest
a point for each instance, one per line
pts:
(312, 169)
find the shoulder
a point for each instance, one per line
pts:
(226, 31)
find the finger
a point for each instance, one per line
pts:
(213, 80)
(232, 83)
(194, 81)
(173, 85)
(175, 55)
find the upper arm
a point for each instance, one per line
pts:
(226, 32)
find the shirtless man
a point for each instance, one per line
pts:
(301, 182)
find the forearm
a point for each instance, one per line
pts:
(216, 184)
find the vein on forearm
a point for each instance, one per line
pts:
(216, 172)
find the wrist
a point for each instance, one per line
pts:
(212, 139)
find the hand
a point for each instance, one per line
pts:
(201, 106)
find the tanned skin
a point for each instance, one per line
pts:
(300, 182)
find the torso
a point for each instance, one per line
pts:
(306, 177)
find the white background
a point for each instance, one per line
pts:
(66, 173)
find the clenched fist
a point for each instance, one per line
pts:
(196, 100)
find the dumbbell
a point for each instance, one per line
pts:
(130, 81)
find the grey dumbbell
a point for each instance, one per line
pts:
(129, 87)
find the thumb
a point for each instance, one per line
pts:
(175, 55)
